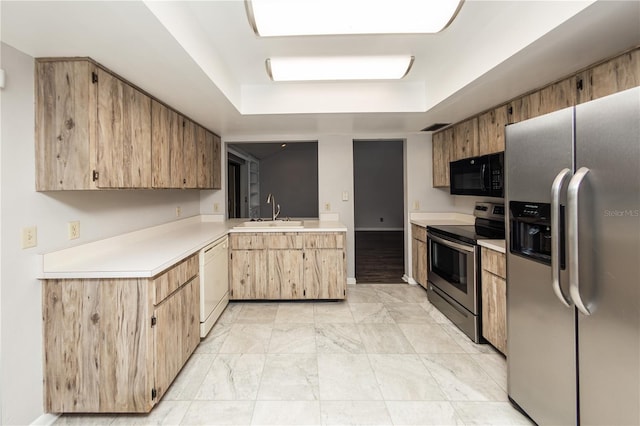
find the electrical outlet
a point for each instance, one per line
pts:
(216, 207)
(345, 195)
(327, 207)
(73, 229)
(29, 237)
(416, 205)
(178, 211)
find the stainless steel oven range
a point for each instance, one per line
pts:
(454, 266)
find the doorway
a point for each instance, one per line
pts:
(378, 169)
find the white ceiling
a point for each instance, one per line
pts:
(203, 58)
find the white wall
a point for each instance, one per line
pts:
(102, 214)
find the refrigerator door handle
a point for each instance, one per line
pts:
(574, 262)
(556, 189)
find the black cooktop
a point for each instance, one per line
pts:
(482, 230)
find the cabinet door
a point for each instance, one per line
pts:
(190, 317)
(190, 153)
(324, 273)
(205, 141)
(216, 168)
(65, 120)
(97, 344)
(491, 130)
(613, 76)
(177, 333)
(285, 271)
(166, 147)
(465, 136)
(551, 98)
(248, 274)
(442, 145)
(124, 135)
(419, 261)
(494, 310)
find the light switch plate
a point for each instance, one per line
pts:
(29, 237)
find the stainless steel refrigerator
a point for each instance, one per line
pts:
(573, 263)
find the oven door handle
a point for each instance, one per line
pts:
(457, 246)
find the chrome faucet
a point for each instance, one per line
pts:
(272, 200)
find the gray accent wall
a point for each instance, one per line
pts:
(378, 184)
(291, 175)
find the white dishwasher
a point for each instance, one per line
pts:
(214, 283)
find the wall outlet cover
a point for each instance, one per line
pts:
(73, 229)
(29, 237)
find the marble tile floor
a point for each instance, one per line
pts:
(385, 356)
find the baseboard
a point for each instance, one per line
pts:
(46, 419)
(351, 281)
(409, 280)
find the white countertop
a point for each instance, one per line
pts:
(427, 219)
(497, 245)
(146, 253)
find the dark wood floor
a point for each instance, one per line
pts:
(379, 256)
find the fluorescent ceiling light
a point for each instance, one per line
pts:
(339, 68)
(324, 17)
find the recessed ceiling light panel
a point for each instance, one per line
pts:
(325, 17)
(339, 68)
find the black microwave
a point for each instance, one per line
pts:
(482, 176)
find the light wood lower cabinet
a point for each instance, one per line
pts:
(111, 346)
(494, 299)
(289, 265)
(419, 254)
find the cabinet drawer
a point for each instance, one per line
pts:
(419, 233)
(324, 240)
(290, 240)
(494, 262)
(247, 241)
(170, 280)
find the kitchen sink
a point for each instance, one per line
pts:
(270, 224)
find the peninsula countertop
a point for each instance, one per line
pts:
(148, 252)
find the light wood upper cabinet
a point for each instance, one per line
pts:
(551, 98)
(190, 135)
(491, 130)
(94, 130)
(442, 145)
(613, 76)
(115, 345)
(167, 147)
(65, 120)
(216, 168)
(123, 134)
(465, 137)
(208, 153)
